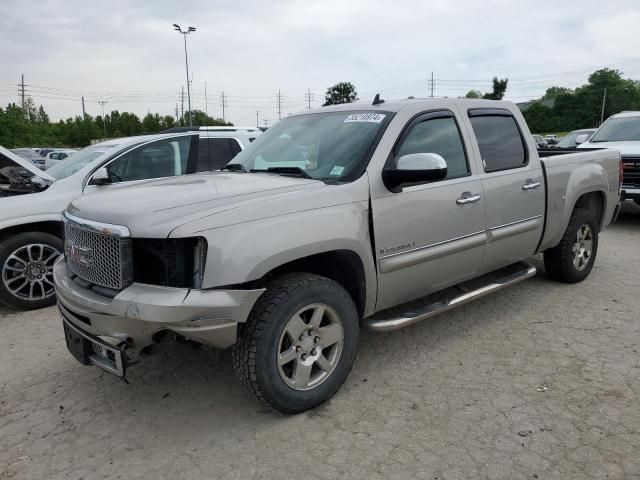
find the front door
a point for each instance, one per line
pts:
(168, 157)
(429, 236)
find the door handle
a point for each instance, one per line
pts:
(530, 185)
(467, 198)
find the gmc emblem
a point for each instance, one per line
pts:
(76, 253)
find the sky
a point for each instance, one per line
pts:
(127, 54)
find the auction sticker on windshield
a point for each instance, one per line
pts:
(365, 117)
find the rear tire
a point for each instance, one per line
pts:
(26, 270)
(572, 259)
(299, 342)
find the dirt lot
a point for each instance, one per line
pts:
(539, 381)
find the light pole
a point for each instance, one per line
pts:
(184, 33)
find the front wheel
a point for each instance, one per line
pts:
(299, 343)
(26, 270)
(572, 259)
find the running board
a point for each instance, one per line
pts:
(448, 299)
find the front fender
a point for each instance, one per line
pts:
(247, 251)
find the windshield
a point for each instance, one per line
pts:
(323, 146)
(620, 129)
(569, 140)
(78, 160)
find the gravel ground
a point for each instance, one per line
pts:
(538, 381)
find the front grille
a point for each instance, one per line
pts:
(631, 170)
(98, 253)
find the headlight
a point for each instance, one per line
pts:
(169, 262)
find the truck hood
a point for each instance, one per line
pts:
(625, 148)
(156, 208)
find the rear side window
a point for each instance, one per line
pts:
(500, 142)
(222, 150)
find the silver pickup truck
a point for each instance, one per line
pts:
(361, 215)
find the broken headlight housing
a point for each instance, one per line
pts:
(169, 262)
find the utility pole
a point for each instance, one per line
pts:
(206, 102)
(182, 104)
(84, 113)
(257, 119)
(604, 101)
(223, 102)
(279, 105)
(177, 114)
(308, 97)
(21, 90)
(104, 123)
(432, 84)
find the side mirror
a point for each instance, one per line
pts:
(100, 177)
(582, 138)
(414, 169)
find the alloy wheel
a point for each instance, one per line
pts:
(310, 346)
(582, 248)
(28, 272)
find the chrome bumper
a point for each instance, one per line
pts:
(140, 311)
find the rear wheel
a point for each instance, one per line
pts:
(572, 259)
(26, 275)
(299, 343)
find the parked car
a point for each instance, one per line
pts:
(551, 139)
(541, 143)
(30, 155)
(44, 151)
(55, 157)
(570, 139)
(622, 132)
(381, 215)
(30, 222)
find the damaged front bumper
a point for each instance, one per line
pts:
(137, 316)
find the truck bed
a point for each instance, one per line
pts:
(577, 172)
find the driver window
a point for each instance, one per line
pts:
(438, 135)
(164, 158)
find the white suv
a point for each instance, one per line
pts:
(31, 200)
(621, 132)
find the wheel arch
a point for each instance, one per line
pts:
(343, 266)
(51, 227)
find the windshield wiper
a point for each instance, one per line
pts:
(292, 171)
(234, 167)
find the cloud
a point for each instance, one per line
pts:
(128, 54)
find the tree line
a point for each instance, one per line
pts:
(31, 126)
(563, 109)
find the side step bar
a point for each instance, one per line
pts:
(432, 305)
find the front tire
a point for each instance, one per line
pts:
(572, 259)
(26, 270)
(299, 342)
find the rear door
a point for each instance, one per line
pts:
(429, 236)
(513, 184)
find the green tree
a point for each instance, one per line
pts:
(202, 119)
(554, 92)
(499, 89)
(473, 94)
(343, 92)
